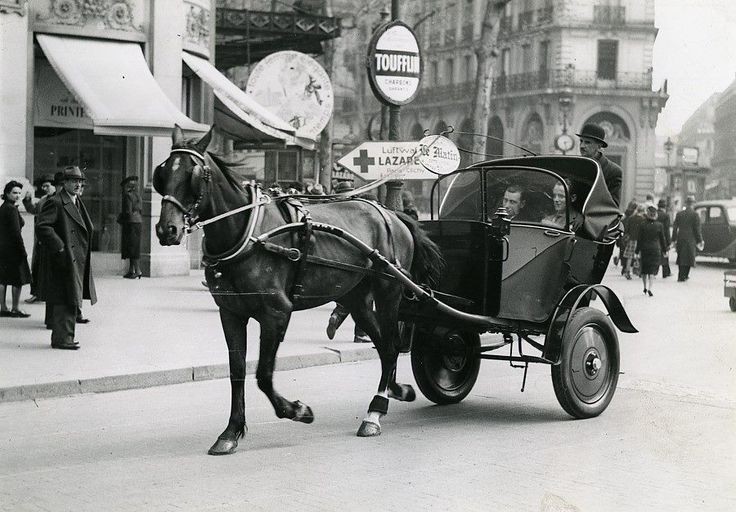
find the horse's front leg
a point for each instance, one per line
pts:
(273, 328)
(235, 331)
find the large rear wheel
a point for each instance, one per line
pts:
(445, 366)
(586, 378)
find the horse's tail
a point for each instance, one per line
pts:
(428, 263)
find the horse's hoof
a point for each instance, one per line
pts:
(369, 429)
(303, 413)
(223, 447)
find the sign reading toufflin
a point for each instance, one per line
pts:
(394, 63)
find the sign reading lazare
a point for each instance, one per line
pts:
(394, 63)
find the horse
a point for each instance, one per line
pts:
(263, 263)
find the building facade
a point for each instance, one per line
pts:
(560, 64)
(724, 152)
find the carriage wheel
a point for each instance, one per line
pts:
(445, 368)
(586, 378)
(732, 303)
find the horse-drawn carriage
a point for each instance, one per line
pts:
(529, 272)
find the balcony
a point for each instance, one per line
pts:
(610, 15)
(553, 78)
(247, 36)
(526, 20)
(444, 93)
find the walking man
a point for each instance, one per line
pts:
(664, 218)
(591, 142)
(687, 237)
(64, 229)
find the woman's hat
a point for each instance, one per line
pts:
(128, 179)
(595, 132)
(651, 210)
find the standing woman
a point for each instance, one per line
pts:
(131, 220)
(14, 270)
(652, 245)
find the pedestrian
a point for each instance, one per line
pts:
(14, 270)
(664, 218)
(130, 220)
(687, 237)
(652, 246)
(45, 185)
(591, 142)
(65, 231)
(632, 225)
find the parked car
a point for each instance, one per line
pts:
(718, 223)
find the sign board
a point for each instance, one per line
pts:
(438, 154)
(376, 160)
(690, 156)
(53, 105)
(296, 88)
(394, 63)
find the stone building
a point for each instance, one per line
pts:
(561, 64)
(724, 154)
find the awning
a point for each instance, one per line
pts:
(112, 81)
(239, 115)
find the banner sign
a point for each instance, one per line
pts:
(394, 63)
(376, 160)
(53, 105)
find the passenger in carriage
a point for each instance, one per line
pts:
(558, 217)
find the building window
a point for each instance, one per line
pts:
(544, 55)
(607, 59)
(449, 71)
(435, 73)
(526, 57)
(469, 71)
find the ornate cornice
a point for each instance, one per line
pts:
(113, 14)
(197, 30)
(14, 6)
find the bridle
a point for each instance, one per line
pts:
(201, 174)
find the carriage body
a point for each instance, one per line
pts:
(531, 281)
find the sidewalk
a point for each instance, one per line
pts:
(151, 332)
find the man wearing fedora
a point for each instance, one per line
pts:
(687, 237)
(64, 229)
(591, 142)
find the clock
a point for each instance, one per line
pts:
(564, 142)
(295, 87)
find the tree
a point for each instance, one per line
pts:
(486, 53)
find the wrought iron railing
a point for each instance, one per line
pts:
(549, 78)
(281, 22)
(609, 15)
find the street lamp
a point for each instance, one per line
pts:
(668, 147)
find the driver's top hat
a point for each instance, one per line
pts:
(595, 132)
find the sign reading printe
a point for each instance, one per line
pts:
(394, 63)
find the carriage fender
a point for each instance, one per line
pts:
(572, 301)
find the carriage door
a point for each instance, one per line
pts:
(537, 267)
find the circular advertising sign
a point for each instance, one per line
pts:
(438, 154)
(394, 63)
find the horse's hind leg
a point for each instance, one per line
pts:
(273, 328)
(235, 335)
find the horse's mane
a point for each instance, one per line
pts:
(232, 178)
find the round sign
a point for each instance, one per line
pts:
(296, 88)
(564, 142)
(438, 154)
(394, 63)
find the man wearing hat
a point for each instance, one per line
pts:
(45, 184)
(64, 229)
(687, 238)
(664, 218)
(591, 143)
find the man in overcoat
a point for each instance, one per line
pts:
(64, 229)
(686, 236)
(664, 218)
(591, 142)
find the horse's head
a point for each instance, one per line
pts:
(182, 180)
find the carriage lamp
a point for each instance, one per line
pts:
(500, 223)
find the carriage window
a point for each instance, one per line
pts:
(715, 216)
(462, 200)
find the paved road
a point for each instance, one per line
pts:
(667, 441)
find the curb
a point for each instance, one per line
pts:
(176, 375)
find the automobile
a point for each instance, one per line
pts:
(512, 271)
(718, 224)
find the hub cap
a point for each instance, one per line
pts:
(591, 375)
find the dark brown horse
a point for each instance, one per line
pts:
(259, 265)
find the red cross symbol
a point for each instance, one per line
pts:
(363, 161)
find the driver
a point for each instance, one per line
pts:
(558, 218)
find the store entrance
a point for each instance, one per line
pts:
(102, 159)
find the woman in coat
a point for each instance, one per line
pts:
(131, 220)
(14, 270)
(651, 245)
(632, 226)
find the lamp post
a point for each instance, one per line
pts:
(393, 187)
(668, 147)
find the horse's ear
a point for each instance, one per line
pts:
(178, 136)
(201, 146)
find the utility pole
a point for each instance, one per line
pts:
(393, 188)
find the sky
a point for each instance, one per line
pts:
(695, 50)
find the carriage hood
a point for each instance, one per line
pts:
(594, 201)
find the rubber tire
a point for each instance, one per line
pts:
(732, 303)
(445, 378)
(597, 327)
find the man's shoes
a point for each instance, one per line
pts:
(5, 312)
(31, 300)
(336, 320)
(66, 345)
(17, 313)
(82, 320)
